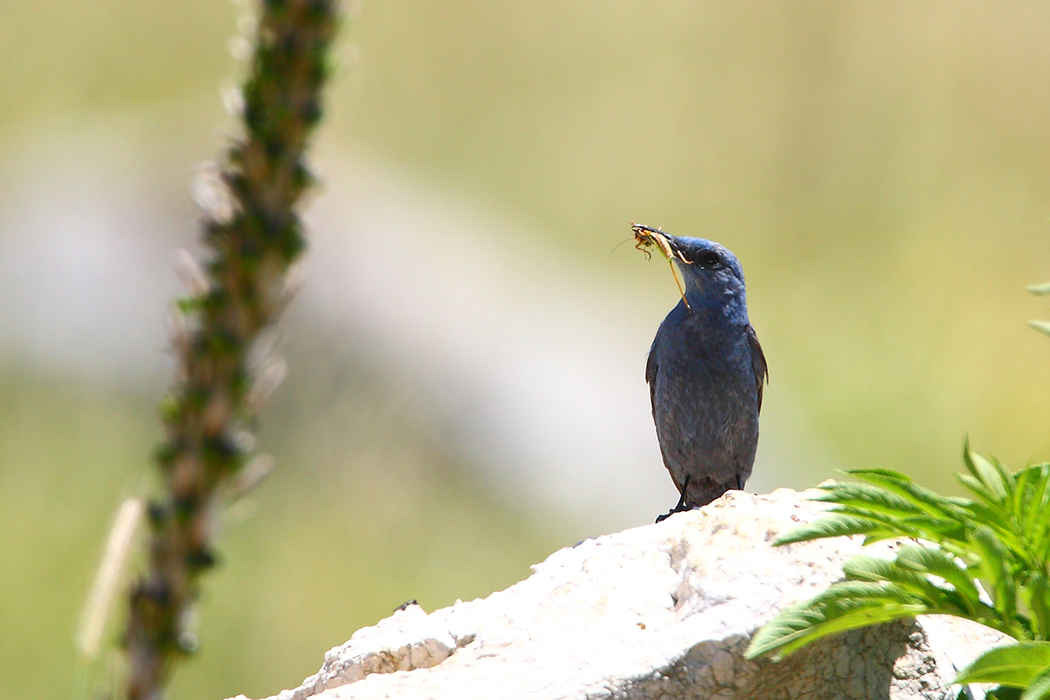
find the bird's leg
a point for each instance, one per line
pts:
(739, 483)
(680, 506)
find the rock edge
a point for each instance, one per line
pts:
(661, 611)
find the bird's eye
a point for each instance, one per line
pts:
(711, 259)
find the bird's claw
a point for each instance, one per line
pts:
(678, 507)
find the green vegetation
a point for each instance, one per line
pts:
(1002, 539)
(985, 559)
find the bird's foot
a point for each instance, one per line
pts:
(680, 506)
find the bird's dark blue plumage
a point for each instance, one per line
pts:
(705, 373)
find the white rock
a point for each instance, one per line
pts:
(661, 611)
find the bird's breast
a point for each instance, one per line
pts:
(705, 363)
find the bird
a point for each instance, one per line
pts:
(706, 372)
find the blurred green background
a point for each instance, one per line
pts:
(465, 391)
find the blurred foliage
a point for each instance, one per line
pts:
(338, 539)
(880, 170)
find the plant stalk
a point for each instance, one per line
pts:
(252, 235)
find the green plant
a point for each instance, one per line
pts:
(985, 559)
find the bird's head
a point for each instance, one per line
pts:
(714, 280)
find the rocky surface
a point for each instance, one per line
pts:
(662, 611)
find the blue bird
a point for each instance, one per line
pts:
(705, 372)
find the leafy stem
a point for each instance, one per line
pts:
(252, 236)
(984, 559)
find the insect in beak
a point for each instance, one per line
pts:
(647, 236)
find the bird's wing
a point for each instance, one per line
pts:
(651, 368)
(758, 363)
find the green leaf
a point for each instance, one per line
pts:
(1034, 511)
(977, 487)
(830, 525)
(848, 521)
(936, 562)
(910, 580)
(994, 570)
(918, 526)
(1038, 689)
(1015, 665)
(1037, 597)
(1039, 289)
(926, 499)
(870, 497)
(999, 521)
(1024, 482)
(844, 606)
(868, 568)
(1009, 478)
(991, 477)
(890, 474)
(1041, 326)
